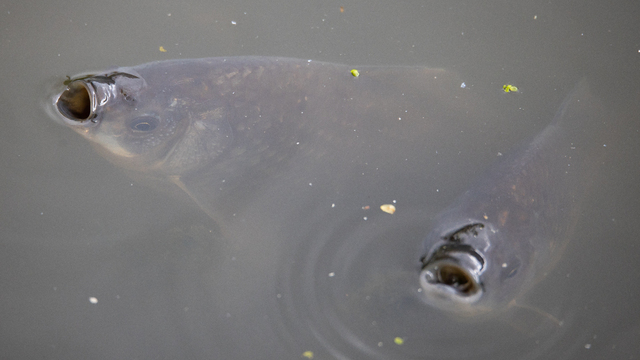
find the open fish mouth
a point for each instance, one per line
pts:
(452, 273)
(77, 101)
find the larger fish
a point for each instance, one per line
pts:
(223, 125)
(497, 238)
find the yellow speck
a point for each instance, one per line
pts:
(509, 88)
(162, 49)
(388, 208)
(398, 341)
(308, 354)
(355, 73)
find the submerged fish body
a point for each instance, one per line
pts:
(502, 235)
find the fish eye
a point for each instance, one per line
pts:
(143, 123)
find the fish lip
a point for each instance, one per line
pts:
(453, 274)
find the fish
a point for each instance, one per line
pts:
(220, 128)
(507, 231)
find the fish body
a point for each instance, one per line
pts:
(498, 238)
(221, 127)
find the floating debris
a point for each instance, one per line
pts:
(388, 208)
(509, 88)
(355, 72)
(308, 354)
(398, 341)
(162, 49)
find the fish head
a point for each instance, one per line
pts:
(469, 270)
(143, 124)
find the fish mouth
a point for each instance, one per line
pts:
(452, 274)
(77, 101)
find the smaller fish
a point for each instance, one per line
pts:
(498, 238)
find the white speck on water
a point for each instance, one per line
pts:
(169, 14)
(93, 300)
(587, 346)
(278, 296)
(233, 22)
(463, 85)
(333, 205)
(365, 218)
(310, 184)
(309, 60)
(399, 118)
(41, 213)
(393, 201)
(332, 274)
(504, 265)
(297, 142)
(380, 344)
